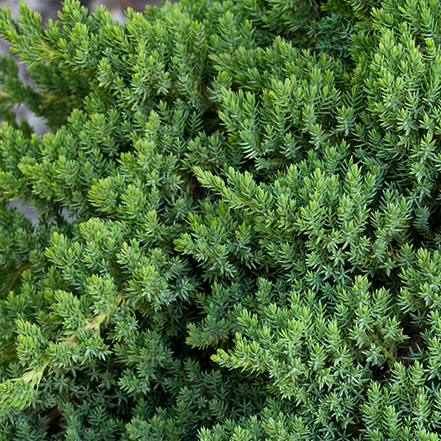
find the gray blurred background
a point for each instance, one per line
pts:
(49, 10)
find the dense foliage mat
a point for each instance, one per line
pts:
(239, 223)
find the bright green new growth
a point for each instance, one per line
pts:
(255, 251)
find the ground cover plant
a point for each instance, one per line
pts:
(253, 248)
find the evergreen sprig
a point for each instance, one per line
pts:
(252, 250)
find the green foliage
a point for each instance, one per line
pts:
(254, 243)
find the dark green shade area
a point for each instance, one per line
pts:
(254, 245)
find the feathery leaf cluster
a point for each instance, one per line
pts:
(254, 249)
